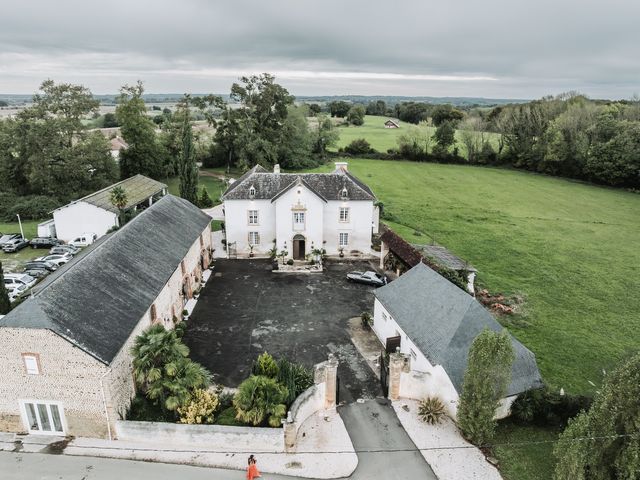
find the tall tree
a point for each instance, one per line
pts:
(5, 304)
(118, 198)
(144, 154)
(325, 135)
(445, 137)
(604, 442)
(355, 115)
(188, 167)
(485, 383)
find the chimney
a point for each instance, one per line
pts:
(342, 166)
(276, 168)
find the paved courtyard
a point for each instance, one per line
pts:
(245, 309)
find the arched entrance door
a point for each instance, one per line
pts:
(298, 247)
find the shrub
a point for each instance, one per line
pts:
(205, 200)
(296, 378)
(290, 262)
(367, 320)
(431, 410)
(200, 409)
(545, 407)
(358, 147)
(265, 365)
(260, 399)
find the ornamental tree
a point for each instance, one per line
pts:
(485, 383)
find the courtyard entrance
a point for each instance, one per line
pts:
(299, 247)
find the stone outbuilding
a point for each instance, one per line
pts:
(434, 323)
(66, 350)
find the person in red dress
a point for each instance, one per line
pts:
(252, 469)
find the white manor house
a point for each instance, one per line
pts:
(300, 213)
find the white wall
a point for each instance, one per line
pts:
(236, 216)
(299, 196)
(322, 225)
(81, 217)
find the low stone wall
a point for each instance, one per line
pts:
(211, 437)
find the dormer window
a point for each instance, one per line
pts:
(344, 194)
(252, 192)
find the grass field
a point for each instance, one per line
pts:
(382, 139)
(571, 249)
(12, 262)
(214, 186)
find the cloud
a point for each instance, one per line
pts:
(495, 48)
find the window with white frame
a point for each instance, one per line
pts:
(344, 214)
(344, 239)
(344, 194)
(31, 363)
(254, 238)
(298, 220)
(384, 317)
(252, 191)
(43, 417)
(253, 217)
(414, 356)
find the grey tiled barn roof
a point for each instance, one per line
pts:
(444, 257)
(442, 321)
(269, 185)
(138, 188)
(97, 299)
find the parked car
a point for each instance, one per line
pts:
(84, 240)
(15, 245)
(8, 237)
(11, 279)
(44, 242)
(62, 249)
(368, 278)
(36, 272)
(52, 267)
(16, 292)
(58, 259)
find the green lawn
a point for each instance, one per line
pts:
(214, 186)
(12, 262)
(382, 139)
(521, 458)
(571, 249)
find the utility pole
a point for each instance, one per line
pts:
(20, 223)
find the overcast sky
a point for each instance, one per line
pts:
(488, 48)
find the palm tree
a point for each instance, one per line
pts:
(118, 198)
(163, 370)
(260, 398)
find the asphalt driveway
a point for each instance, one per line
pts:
(245, 309)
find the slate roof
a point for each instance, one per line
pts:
(138, 188)
(268, 185)
(442, 321)
(444, 257)
(96, 300)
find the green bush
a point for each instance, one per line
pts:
(545, 407)
(290, 262)
(200, 409)
(431, 410)
(358, 146)
(260, 400)
(227, 416)
(296, 378)
(265, 365)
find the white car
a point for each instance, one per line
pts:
(16, 292)
(58, 259)
(12, 279)
(84, 240)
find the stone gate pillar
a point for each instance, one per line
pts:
(396, 364)
(331, 379)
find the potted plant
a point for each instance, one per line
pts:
(341, 252)
(283, 254)
(367, 320)
(251, 247)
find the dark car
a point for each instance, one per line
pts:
(44, 242)
(40, 265)
(368, 278)
(7, 237)
(15, 245)
(36, 272)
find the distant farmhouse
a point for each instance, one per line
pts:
(66, 351)
(433, 323)
(391, 124)
(300, 212)
(96, 214)
(117, 144)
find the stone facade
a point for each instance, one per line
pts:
(92, 395)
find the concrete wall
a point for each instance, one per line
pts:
(81, 217)
(211, 437)
(67, 375)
